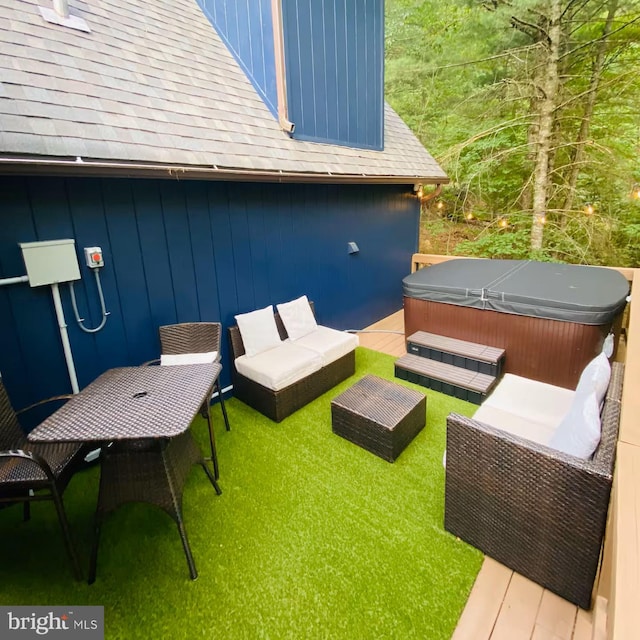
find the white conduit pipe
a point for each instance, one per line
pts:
(66, 345)
(15, 280)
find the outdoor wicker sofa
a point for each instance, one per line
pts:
(279, 404)
(535, 509)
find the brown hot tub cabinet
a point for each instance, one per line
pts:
(551, 319)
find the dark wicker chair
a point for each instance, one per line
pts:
(539, 511)
(31, 471)
(277, 405)
(194, 337)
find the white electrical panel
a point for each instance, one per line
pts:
(93, 257)
(50, 262)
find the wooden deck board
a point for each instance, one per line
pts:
(583, 627)
(556, 617)
(480, 614)
(519, 610)
(502, 604)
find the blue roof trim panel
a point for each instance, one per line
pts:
(246, 28)
(334, 58)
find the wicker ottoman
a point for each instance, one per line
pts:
(380, 416)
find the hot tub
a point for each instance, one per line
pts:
(550, 318)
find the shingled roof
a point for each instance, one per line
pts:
(152, 88)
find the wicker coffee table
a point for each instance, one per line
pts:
(380, 416)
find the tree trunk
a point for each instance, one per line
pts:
(549, 88)
(585, 124)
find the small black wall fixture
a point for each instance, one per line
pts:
(352, 247)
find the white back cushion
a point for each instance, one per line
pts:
(188, 358)
(258, 330)
(579, 432)
(297, 317)
(595, 377)
(607, 346)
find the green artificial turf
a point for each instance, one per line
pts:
(313, 537)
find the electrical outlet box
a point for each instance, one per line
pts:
(50, 262)
(93, 257)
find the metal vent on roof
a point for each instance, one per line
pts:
(60, 15)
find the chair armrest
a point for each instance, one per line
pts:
(29, 456)
(66, 396)
(472, 437)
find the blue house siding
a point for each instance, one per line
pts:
(334, 63)
(187, 251)
(335, 70)
(246, 28)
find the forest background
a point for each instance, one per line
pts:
(532, 107)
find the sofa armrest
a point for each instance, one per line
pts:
(539, 511)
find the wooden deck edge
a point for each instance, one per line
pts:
(484, 603)
(600, 618)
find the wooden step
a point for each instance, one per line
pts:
(468, 355)
(446, 378)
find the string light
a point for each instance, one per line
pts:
(503, 223)
(541, 219)
(635, 192)
(589, 209)
(440, 205)
(469, 216)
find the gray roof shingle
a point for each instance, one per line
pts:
(153, 83)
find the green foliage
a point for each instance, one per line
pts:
(464, 80)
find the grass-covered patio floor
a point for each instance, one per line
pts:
(313, 537)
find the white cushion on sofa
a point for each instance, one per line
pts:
(579, 432)
(595, 377)
(531, 400)
(330, 344)
(188, 358)
(297, 317)
(279, 367)
(258, 330)
(514, 424)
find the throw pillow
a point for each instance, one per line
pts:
(258, 330)
(607, 346)
(579, 432)
(188, 358)
(595, 377)
(297, 317)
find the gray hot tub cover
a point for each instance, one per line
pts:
(568, 292)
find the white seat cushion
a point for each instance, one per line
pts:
(531, 400)
(188, 358)
(330, 344)
(279, 367)
(514, 424)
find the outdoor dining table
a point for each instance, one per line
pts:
(140, 416)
